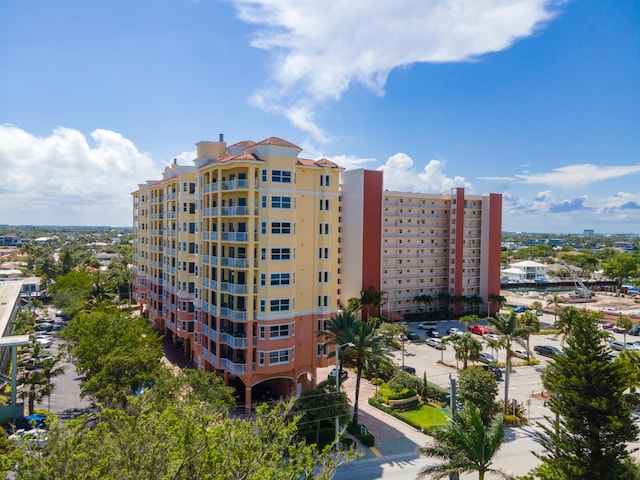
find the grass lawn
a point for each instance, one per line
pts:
(426, 416)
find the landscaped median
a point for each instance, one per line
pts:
(400, 398)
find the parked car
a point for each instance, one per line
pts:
(427, 325)
(539, 313)
(493, 369)
(547, 350)
(435, 343)
(343, 375)
(408, 369)
(478, 329)
(635, 331)
(618, 329)
(433, 334)
(520, 354)
(413, 336)
(608, 325)
(520, 308)
(454, 331)
(619, 346)
(487, 358)
(492, 336)
(44, 327)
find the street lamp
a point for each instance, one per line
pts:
(338, 347)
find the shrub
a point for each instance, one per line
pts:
(368, 439)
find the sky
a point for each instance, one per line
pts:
(538, 100)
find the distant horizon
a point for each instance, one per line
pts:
(508, 232)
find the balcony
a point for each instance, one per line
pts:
(233, 288)
(235, 237)
(242, 184)
(235, 211)
(237, 315)
(228, 365)
(234, 341)
(235, 262)
(213, 309)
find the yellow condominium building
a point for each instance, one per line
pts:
(236, 257)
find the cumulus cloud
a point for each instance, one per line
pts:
(321, 48)
(400, 174)
(64, 179)
(579, 175)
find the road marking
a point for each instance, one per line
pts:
(375, 452)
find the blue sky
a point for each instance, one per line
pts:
(538, 100)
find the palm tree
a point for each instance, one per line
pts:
(445, 299)
(497, 300)
(531, 324)
(422, 299)
(555, 300)
(465, 445)
(626, 324)
(537, 305)
(466, 347)
(338, 330)
(371, 299)
(364, 347)
(51, 368)
(494, 345)
(564, 322)
(507, 326)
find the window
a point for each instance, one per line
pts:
(324, 204)
(264, 175)
(280, 202)
(263, 228)
(264, 201)
(281, 176)
(323, 301)
(280, 279)
(277, 331)
(321, 350)
(322, 324)
(280, 254)
(262, 306)
(326, 179)
(263, 279)
(323, 253)
(323, 276)
(260, 358)
(262, 332)
(280, 305)
(279, 356)
(281, 228)
(323, 229)
(263, 254)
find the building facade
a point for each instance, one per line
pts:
(441, 248)
(237, 259)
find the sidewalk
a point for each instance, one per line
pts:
(392, 436)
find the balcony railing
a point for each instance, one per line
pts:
(235, 262)
(235, 237)
(233, 340)
(235, 184)
(237, 315)
(235, 211)
(233, 288)
(227, 364)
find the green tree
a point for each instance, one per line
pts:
(364, 346)
(179, 443)
(555, 300)
(423, 301)
(510, 331)
(371, 299)
(621, 267)
(626, 324)
(338, 330)
(479, 387)
(593, 425)
(530, 324)
(319, 405)
(37, 379)
(465, 346)
(465, 445)
(117, 353)
(71, 292)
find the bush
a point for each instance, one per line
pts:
(511, 420)
(368, 440)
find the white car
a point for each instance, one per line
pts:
(454, 331)
(492, 336)
(520, 354)
(435, 343)
(427, 325)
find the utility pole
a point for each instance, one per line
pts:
(452, 406)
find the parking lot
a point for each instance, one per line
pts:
(525, 384)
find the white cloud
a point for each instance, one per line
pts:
(400, 175)
(322, 47)
(62, 179)
(579, 175)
